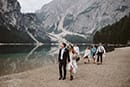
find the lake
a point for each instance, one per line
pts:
(19, 58)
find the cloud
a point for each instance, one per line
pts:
(32, 5)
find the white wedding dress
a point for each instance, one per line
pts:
(72, 64)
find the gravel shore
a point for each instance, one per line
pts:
(114, 72)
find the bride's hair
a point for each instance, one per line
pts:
(72, 49)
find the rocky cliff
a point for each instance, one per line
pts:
(16, 27)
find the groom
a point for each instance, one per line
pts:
(63, 58)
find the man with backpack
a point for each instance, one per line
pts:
(100, 51)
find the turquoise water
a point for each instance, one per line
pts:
(14, 59)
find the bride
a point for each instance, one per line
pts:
(72, 66)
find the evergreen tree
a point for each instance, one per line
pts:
(117, 33)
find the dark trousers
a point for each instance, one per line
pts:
(99, 57)
(62, 65)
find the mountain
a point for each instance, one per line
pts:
(80, 18)
(60, 20)
(16, 27)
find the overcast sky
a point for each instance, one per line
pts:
(32, 5)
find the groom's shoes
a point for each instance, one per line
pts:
(64, 78)
(60, 78)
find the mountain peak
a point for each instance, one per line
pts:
(86, 15)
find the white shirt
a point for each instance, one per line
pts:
(76, 49)
(62, 52)
(101, 49)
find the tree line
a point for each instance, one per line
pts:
(117, 33)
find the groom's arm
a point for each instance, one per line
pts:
(59, 55)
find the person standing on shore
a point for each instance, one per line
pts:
(76, 49)
(87, 55)
(73, 64)
(63, 59)
(100, 51)
(93, 53)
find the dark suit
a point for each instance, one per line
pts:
(63, 61)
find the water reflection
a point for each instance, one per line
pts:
(20, 58)
(31, 52)
(15, 59)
